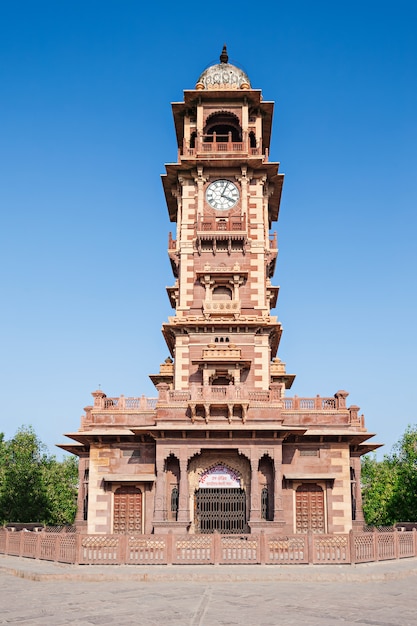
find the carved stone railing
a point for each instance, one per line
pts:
(123, 403)
(226, 224)
(170, 548)
(222, 393)
(315, 404)
(215, 144)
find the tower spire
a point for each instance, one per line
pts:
(224, 57)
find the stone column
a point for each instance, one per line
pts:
(357, 492)
(82, 491)
(255, 504)
(160, 512)
(278, 510)
(184, 494)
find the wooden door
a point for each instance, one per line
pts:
(309, 509)
(127, 516)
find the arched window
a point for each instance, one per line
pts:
(174, 502)
(225, 125)
(252, 139)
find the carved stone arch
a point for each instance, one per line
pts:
(232, 459)
(222, 123)
(266, 475)
(172, 482)
(252, 139)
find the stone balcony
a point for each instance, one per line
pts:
(221, 307)
(223, 224)
(216, 145)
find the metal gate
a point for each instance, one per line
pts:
(220, 510)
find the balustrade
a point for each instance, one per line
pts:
(215, 392)
(353, 547)
(209, 144)
(226, 224)
(310, 404)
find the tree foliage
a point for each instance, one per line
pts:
(34, 486)
(389, 487)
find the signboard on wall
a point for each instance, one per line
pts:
(219, 476)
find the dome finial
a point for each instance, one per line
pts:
(224, 57)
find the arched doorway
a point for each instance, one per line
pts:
(309, 509)
(127, 516)
(220, 502)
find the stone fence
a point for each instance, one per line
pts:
(258, 548)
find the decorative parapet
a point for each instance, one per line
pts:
(309, 404)
(224, 224)
(207, 145)
(102, 402)
(354, 417)
(338, 402)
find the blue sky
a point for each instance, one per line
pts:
(86, 127)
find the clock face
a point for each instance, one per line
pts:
(222, 195)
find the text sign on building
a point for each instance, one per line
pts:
(219, 476)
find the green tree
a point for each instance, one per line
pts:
(404, 458)
(61, 483)
(379, 483)
(22, 494)
(389, 487)
(34, 486)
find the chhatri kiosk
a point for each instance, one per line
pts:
(221, 448)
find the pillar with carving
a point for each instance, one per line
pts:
(255, 504)
(278, 511)
(355, 462)
(184, 495)
(160, 512)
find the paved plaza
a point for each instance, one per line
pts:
(42, 593)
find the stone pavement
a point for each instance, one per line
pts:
(43, 594)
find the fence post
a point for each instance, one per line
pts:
(38, 544)
(414, 531)
(310, 547)
(376, 550)
(396, 544)
(169, 538)
(57, 547)
(123, 547)
(262, 547)
(216, 548)
(78, 547)
(352, 547)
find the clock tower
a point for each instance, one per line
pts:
(223, 194)
(221, 448)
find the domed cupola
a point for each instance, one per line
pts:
(223, 75)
